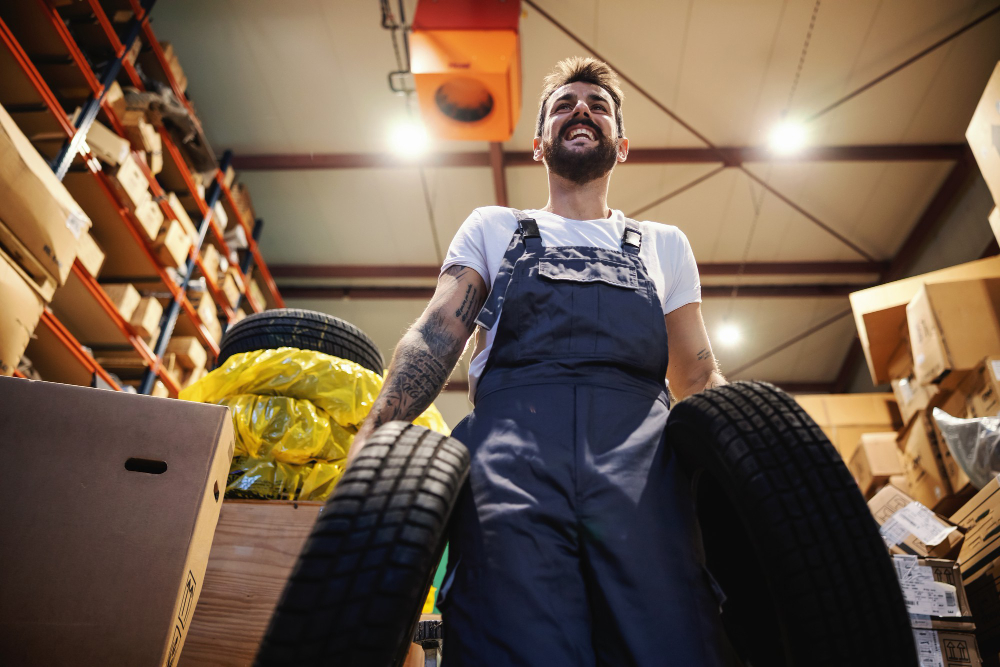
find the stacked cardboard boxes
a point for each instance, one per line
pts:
(41, 231)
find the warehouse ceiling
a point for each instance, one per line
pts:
(304, 84)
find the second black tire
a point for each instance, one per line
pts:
(303, 329)
(788, 536)
(356, 592)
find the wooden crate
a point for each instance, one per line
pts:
(255, 548)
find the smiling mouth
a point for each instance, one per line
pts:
(577, 131)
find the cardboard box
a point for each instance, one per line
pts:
(961, 485)
(22, 307)
(35, 207)
(90, 255)
(231, 288)
(995, 222)
(107, 146)
(131, 183)
(875, 460)
(980, 519)
(934, 593)
(155, 153)
(173, 245)
(844, 418)
(254, 552)
(238, 315)
(912, 397)
(983, 591)
(209, 316)
(142, 135)
(981, 389)
(899, 481)
(210, 260)
(952, 326)
(188, 352)
(125, 297)
(229, 176)
(885, 504)
(880, 312)
(146, 318)
(257, 296)
(948, 649)
(982, 134)
(219, 213)
(115, 99)
(923, 465)
(150, 217)
(108, 564)
(182, 216)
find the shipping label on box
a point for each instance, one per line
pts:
(934, 594)
(917, 530)
(936, 648)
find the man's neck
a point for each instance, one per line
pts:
(578, 202)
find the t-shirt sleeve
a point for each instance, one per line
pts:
(468, 248)
(685, 284)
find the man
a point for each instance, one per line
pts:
(574, 543)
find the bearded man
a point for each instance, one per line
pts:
(574, 542)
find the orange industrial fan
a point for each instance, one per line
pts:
(465, 56)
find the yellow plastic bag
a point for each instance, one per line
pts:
(295, 413)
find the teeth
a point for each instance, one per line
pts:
(581, 131)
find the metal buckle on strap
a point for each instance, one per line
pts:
(631, 237)
(529, 228)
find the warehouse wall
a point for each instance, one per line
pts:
(962, 236)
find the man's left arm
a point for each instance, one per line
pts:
(692, 366)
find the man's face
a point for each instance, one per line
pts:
(580, 139)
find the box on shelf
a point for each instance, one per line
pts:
(844, 418)
(160, 390)
(208, 314)
(980, 519)
(238, 315)
(90, 254)
(244, 206)
(150, 217)
(133, 489)
(155, 153)
(229, 176)
(924, 466)
(210, 260)
(36, 209)
(142, 135)
(875, 460)
(257, 296)
(107, 146)
(188, 352)
(182, 216)
(948, 649)
(219, 213)
(125, 297)
(952, 326)
(934, 593)
(231, 288)
(192, 376)
(115, 98)
(934, 536)
(880, 312)
(131, 183)
(146, 318)
(173, 245)
(22, 308)
(981, 134)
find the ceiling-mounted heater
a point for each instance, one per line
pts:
(465, 56)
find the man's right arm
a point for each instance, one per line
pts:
(428, 351)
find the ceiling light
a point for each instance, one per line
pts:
(409, 139)
(729, 335)
(788, 137)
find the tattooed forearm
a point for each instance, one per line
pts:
(704, 353)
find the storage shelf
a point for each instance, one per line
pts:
(69, 64)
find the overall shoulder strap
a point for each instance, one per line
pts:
(525, 237)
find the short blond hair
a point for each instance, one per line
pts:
(587, 70)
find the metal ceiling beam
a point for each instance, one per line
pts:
(732, 156)
(424, 293)
(706, 269)
(499, 174)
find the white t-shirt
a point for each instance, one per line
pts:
(483, 238)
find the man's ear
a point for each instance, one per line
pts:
(536, 149)
(622, 149)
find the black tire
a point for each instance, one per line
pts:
(304, 329)
(788, 535)
(356, 592)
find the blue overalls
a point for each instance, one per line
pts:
(573, 543)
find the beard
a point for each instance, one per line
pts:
(581, 167)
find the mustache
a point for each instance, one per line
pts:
(586, 122)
